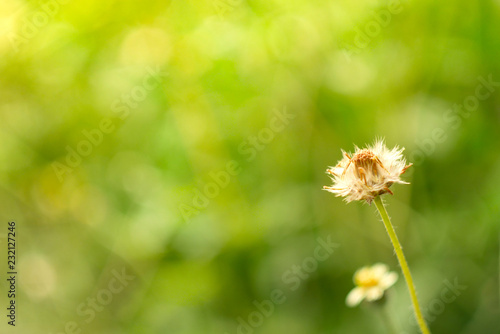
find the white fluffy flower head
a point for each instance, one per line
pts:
(368, 172)
(371, 283)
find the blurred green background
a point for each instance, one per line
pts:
(183, 145)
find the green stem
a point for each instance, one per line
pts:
(402, 262)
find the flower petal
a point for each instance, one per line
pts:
(379, 269)
(355, 297)
(388, 280)
(374, 293)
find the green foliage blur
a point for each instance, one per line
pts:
(164, 163)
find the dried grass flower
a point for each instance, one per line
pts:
(367, 172)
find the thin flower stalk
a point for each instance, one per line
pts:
(402, 262)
